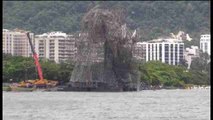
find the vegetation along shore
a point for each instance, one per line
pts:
(153, 74)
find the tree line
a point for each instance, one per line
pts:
(156, 73)
(18, 68)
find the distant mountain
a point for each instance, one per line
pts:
(153, 18)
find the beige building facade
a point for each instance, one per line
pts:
(55, 46)
(16, 43)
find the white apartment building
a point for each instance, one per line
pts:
(190, 54)
(205, 44)
(56, 46)
(168, 51)
(16, 43)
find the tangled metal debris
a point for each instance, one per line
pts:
(104, 57)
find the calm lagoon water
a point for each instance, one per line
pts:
(144, 105)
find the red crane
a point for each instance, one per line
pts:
(35, 56)
(41, 81)
(35, 83)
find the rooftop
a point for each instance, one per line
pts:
(15, 30)
(161, 40)
(205, 35)
(55, 34)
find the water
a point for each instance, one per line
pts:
(144, 105)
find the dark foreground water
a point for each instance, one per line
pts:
(144, 105)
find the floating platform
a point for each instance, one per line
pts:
(39, 88)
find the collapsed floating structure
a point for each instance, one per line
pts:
(104, 56)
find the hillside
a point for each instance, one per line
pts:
(153, 18)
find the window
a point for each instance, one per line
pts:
(201, 46)
(176, 51)
(166, 47)
(156, 51)
(152, 51)
(160, 51)
(166, 50)
(166, 54)
(181, 46)
(148, 52)
(206, 47)
(171, 51)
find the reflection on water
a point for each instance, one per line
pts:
(144, 105)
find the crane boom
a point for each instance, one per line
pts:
(35, 56)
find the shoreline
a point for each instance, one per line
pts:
(195, 87)
(6, 87)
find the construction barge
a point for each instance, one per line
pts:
(32, 85)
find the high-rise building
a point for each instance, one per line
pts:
(16, 43)
(205, 45)
(56, 46)
(168, 51)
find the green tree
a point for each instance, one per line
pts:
(201, 63)
(20, 68)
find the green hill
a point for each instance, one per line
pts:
(153, 18)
